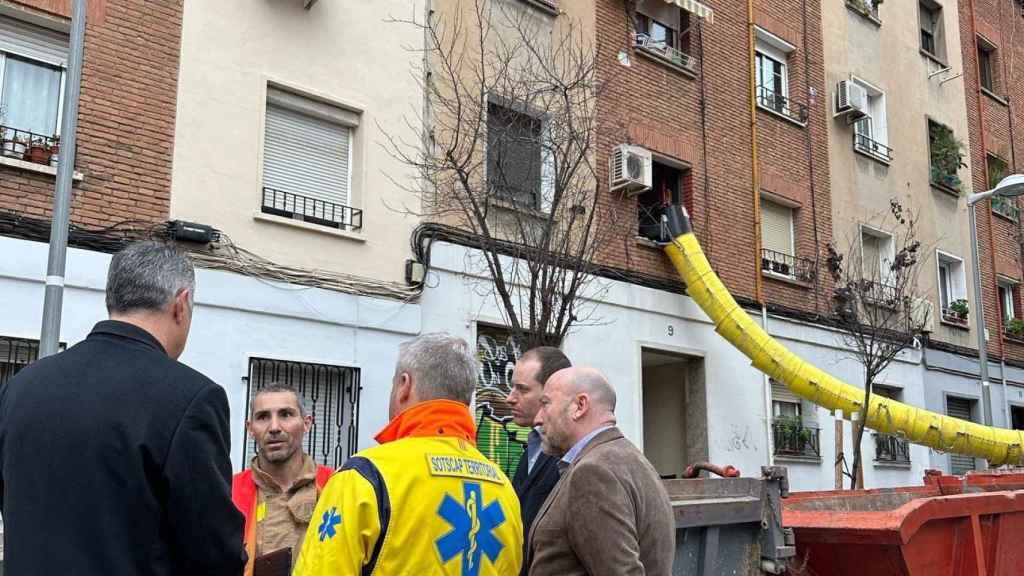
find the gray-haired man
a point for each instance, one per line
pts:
(114, 456)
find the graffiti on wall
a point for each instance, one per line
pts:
(497, 436)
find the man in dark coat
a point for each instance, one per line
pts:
(609, 513)
(114, 456)
(537, 473)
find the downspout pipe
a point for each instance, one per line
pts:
(754, 155)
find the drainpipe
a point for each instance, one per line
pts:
(755, 162)
(767, 390)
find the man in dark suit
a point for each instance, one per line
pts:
(114, 456)
(537, 473)
(609, 513)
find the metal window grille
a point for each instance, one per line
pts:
(333, 394)
(497, 436)
(15, 354)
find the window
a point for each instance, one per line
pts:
(945, 155)
(670, 187)
(778, 250)
(514, 156)
(771, 59)
(987, 65)
(876, 255)
(32, 69)
(307, 161)
(331, 392)
(962, 408)
(664, 30)
(932, 41)
(890, 449)
(792, 435)
(1017, 417)
(1005, 207)
(1007, 300)
(15, 354)
(871, 133)
(952, 289)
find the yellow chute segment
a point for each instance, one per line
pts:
(945, 433)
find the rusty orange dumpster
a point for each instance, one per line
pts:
(951, 526)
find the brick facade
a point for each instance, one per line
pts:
(126, 116)
(995, 120)
(658, 106)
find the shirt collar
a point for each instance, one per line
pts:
(574, 452)
(306, 475)
(431, 418)
(127, 330)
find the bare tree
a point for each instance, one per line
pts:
(876, 303)
(511, 132)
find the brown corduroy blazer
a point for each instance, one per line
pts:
(608, 514)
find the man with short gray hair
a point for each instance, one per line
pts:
(425, 501)
(114, 457)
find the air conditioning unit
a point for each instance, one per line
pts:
(851, 101)
(922, 314)
(629, 169)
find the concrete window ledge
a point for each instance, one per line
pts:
(798, 459)
(271, 219)
(896, 465)
(37, 168)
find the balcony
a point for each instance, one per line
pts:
(29, 146)
(779, 104)
(891, 450)
(873, 148)
(792, 267)
(1005, 207)
(795, 438)
(665, 52)
(311, 210)
(956, 314)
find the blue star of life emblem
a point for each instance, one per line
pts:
(472, 528)
(330, 519)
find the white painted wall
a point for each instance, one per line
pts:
(632, 317)
(343, 53)
(235, 317)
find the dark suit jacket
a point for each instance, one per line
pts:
(609, 514)
(114, 460)
(533, 489)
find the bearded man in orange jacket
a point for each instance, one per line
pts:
(279, 490)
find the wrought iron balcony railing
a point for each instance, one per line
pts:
(862, 143)
(794, 267)
(891, 449)
(663, 50)
(793, 437)
(29, 146)
(312, 210)
(770, 100)
(1005, 207)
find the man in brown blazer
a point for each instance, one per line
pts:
(609, 513)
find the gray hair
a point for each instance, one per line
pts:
(305, 406)
(146, 276)
(443, 367)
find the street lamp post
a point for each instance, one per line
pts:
(1008, 187)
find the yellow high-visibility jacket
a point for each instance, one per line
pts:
(425, 501)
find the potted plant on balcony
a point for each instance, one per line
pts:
(39, 151)
(1015, 329)
(946, 157)
(959, 311)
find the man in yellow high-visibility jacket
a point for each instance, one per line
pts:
(425, 501)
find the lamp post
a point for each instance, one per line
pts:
(1008, 187)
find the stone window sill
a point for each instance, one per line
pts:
(666, 62)
(772, 112)
(37, 168)
(994, 96)
(798, 459)
(279, 220)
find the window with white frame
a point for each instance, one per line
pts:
(33, 62)
(307, 160)
(771, 74)
(664, 29)
(952, 288)
(871, 133)
(876, 255)
(777, 249)
(933, 41)
(1008, 291)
